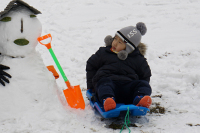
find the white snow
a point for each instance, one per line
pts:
(78, 29)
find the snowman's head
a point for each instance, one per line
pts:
(19, 30)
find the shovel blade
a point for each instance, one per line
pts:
(74, 97)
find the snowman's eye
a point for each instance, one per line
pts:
(32, 16)
(6, 19)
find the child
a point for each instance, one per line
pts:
(119, 73)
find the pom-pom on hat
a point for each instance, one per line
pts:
(131, 36)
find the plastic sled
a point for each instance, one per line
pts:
(120, 107)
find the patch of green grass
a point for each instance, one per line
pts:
(119, 126)
(189, 124)
(157, 96)
(157, 109)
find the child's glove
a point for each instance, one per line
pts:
(3, 79)
(53, 70)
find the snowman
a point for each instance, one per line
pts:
(32, 87)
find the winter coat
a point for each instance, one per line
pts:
(105, 63)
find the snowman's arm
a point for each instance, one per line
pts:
(53, 70)
(3, 75)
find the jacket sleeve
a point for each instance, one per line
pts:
(92, 66)
(144, 71)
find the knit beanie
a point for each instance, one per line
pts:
(131, 36)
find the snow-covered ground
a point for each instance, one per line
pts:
(79, 27)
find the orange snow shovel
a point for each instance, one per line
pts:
(73, 94)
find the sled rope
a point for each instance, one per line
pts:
(127, 121)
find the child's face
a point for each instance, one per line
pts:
(118, 44)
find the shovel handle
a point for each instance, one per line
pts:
(48, 45)
(68, 84)
(58, 64)
(53, 56)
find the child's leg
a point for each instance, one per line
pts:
(105, 93)
(126, 91)
(104, 89)
(141, 88)
(142, 94)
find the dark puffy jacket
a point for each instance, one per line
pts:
(105, 63)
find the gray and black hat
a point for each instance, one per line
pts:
(131, 36)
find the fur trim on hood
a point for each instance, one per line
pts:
(142, 47)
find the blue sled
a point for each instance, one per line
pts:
(134, 110)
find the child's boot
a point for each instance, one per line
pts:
(109, 104)
(144, 101)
